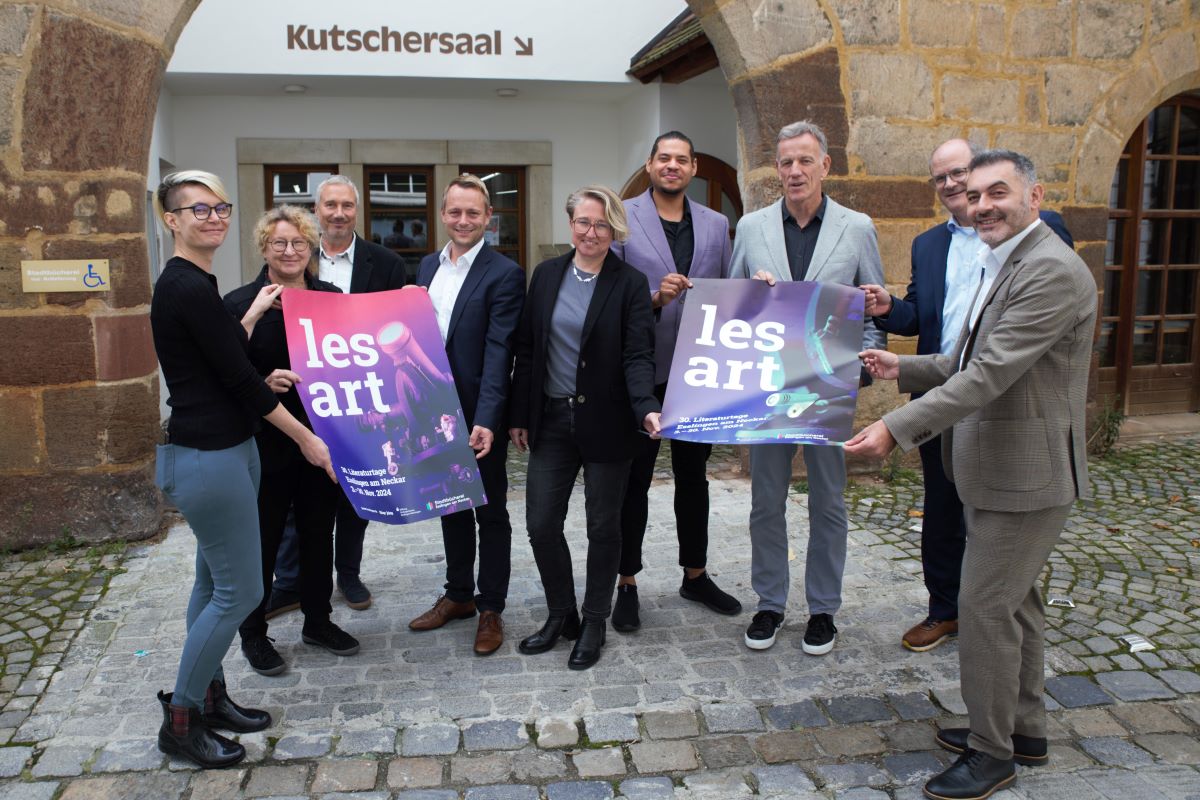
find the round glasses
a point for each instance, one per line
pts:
(583, 225)
(202, 211)
(281, 245)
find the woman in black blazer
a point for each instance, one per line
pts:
(287, 237)
(582, 395)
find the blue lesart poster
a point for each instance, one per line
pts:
(377, 388)
(756, 363)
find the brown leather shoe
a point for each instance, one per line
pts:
(490, 635)
(443, 611)
(929, 634)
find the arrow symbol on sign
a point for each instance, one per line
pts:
(524, 48)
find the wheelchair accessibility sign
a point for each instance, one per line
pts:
(80, 275)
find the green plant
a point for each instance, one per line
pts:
(1107, 428)
(66, 541)
(891, 470)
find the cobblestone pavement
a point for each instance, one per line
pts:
(678, 710)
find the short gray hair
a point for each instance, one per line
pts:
(801, 128)
(1021, 163)
(337, 180)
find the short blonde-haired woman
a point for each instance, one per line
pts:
(287, 237)
(582, 396)
(210, 468)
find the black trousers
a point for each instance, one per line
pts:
(348, 544)
(494, 541)
(689, 466)
(314, 497)
(553, 467)
(943, 534)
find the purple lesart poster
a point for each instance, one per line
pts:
(756, 363)
(377, 388)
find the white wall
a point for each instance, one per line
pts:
(703, 109)
(584, 136)
(640, 126)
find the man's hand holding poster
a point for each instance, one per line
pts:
(377, 388)
(758, 363)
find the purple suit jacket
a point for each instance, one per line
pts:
(648, 251)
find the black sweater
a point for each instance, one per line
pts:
(217, 396)
(269, 352)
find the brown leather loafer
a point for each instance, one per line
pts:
(490, 635)
(929, 634)
(443, 611)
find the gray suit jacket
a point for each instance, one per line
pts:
(846, 252)
(647, 250)
(1014, 415)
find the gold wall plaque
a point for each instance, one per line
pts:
(79, 275)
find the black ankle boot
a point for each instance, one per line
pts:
(587, 650)
(221, 712)
(184, 734)
(564, 625)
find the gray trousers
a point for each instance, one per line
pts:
(217, 492)
(1001, 624)
(770, 479)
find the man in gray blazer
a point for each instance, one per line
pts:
(804, 235)
(1009, 402)
(671, 240)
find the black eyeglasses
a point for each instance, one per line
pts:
(281, 245)
(202, 211)
(956, 175)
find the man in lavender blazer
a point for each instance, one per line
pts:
(671, 240)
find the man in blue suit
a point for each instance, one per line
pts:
(671, 241)
(944, 279)
(477, 295)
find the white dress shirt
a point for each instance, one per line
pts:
(448, 281)
(337, 269)
(992, 260)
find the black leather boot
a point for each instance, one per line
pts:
(221, 712)
(184, 734)
(564, 625)
(587, 649)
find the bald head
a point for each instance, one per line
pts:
(948, 172)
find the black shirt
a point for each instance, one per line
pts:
(268, 351)
(681, 238)
(217, 396)
(801, 242)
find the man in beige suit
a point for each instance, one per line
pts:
(1009, 402)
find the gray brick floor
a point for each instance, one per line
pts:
(680, 709)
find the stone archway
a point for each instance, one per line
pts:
(78, 388)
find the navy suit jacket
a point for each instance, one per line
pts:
(920, 312)
(479, 338)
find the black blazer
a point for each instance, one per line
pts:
(614, 381)
(479, 337)
(376, 269)
(268, 351)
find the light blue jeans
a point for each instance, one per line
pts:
(217, 492)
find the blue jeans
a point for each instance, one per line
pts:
(553, 465)
(217, 492)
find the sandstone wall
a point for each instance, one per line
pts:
(78, 390)
(1065, 81)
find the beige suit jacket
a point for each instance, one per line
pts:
(1014, 415)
